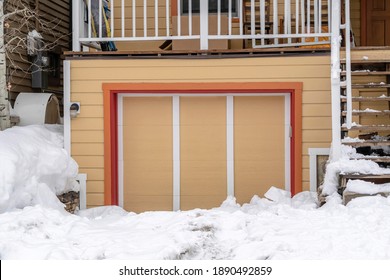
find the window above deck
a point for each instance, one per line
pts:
(213, 6)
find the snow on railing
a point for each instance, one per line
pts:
(266, 23)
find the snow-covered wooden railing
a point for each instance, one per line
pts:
(273, 23)
(336, 82)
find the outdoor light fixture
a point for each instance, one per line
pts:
(74, 109)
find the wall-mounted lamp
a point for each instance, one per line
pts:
(74, 109)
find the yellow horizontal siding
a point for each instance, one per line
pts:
(94, 174)
(316, 97)
(316, 136)
(95, 199)
(220, 73)
(87, 136)
(85, 149)
(90, 161)
(95, 98)
(317, 122)
(316, 110)
(88, 76)
(92, 123)
(209, 63)
(95, 186)
(91, 111)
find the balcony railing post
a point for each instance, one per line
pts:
(335, 79)
(76, 25)
(204, 24)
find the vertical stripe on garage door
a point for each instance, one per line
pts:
(147, 153)
(259, 145)
(202, 151)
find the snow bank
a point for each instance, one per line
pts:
(34, 167)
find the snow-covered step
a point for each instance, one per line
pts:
(366, 60)
(367, 73)
(365, 143)
(367, 113)
(384, 127)
(367, 99)
(369, 85)
(377, 159)
(353, 186)
(348, 196)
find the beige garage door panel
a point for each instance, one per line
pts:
(147, 142)
(258, 110)
(202, 110)
(206, 142)
(148, 178)
(154, 111)
(147, 153)
(202, 151)
(140, 204)
(201, 201)
(259, 145)
(199, 185)
(254, 142)
(253, 178)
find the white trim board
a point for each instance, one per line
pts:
(313, 153)
(120, 150)
(176, 139)
(176, 152)
(67, 130)
(230, 145)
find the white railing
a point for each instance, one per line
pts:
(266, 23)
(340, 23)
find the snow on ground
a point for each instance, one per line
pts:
(262, 229)
(34, 167)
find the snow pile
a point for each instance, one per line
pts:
(34, 167)
(262, 229)
(345, 165)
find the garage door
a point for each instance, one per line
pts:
(185, 152)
